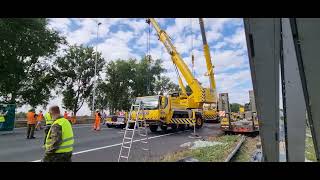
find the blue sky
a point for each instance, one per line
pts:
(127, 38)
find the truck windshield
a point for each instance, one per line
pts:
(149, 102)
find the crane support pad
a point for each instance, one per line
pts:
(183, 121)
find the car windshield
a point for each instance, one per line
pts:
(149, 102)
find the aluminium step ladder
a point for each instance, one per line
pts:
(140, 125)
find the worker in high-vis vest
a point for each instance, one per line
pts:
(2, 118)
(59, 141)
(39, 119)
(31, 122)
(97, 121)
(49, 122)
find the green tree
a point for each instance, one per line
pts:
(144, 77)
(119, 75)
(127, 79)
(26, 47)
(75, 72)
(234, 107)
(164, 85)
(101, 100)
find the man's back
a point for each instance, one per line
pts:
(59, 143)
(31, 118)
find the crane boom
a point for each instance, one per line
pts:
(207, 56)
(178, 61)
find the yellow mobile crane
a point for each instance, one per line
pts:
(176, 109)
(209, 110)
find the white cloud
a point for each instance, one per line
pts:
(60, 24)
(231, 65)
(117, 47)
(237, 40)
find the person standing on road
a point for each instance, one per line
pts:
(59, 142)
(104, 117)
(39, 120)
(49, 122)
(97, 121)
(3, 113)
(31, 122)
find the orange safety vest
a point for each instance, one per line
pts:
(40, 117)
(97, 117)
(30, 118)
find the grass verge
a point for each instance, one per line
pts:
(247, 149)
(310, 153)
(217, 153)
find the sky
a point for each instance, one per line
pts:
(126, 38)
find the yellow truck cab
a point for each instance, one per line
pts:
(167, 111)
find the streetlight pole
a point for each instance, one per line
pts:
(95, 72)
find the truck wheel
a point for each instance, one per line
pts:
(199, 122)
(164, 128)
(174, 127)
(153, 128)
(182, 127)
(109, 125)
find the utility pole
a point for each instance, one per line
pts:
(95, 72)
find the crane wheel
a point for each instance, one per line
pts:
(153, 128)
(164, 128)
(182, 127)
(174, 127)
(199, 122)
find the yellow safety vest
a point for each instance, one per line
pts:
(67, 136)
(48, 119)
(2, 119)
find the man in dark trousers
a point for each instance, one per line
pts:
(59, 141)
(31, 121)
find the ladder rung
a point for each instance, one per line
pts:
(145, 149)
(126, 147)
(135, 105)
(130, 129)
(128, 142)
(127, 138)
(124, 157)
(145, 142)
(144, 135)
(131, 121)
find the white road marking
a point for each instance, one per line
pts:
(113, 145)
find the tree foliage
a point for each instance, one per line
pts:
(165, 85)
(26, 47)
(144, 77)
(234, 107)
(74, 74)
(127, 79)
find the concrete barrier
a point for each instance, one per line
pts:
(22, 122)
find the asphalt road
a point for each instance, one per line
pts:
(102, 146)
